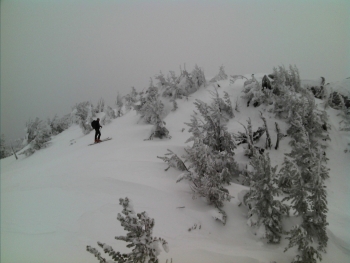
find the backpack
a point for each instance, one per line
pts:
(94, 124)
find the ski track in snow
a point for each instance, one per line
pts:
(65, 197)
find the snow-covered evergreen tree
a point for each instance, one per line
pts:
(301, 238)
(209, 172)
(224, 105)
(283, 77)
(233, 78)
(221, 75)
(110, 113)
(159, 131)
(213, 129)
(341, 102)
(58, 125)
(38, 136)
(119, 104)
(268, 143)
(100, 106)
(211, 157)
(197, 77)
(145, 247)
(255, 94)
(130, 99)
(169, 86)
(152, 108)
(4, 152)
(108, 116)
(249, 137)
(265, 211)
(174, 161)
(302, 176)
(83, 114)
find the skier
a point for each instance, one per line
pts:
(96, 125)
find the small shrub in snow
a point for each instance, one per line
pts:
(174, 161)
(265, 211)
(159, 131)
(233, 78)
(250, 138)
(145, 247)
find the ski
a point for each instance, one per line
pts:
(107, 139)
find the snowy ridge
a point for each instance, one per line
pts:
(65, 197)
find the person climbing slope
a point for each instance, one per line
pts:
(96, 125)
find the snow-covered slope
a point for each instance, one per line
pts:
(65, 197)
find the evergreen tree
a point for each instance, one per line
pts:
(214, 128)
(58, 125)
(38, 136)
(100, 106)
(4, 152)
(197, 77)
(208, 173)
(211, 157)
(301, 238)
(119, 104)
(169, 86)
(151, 110)
(223, 105)
(83, 114)
(228, 103)
(146, 248)
(255, 94)
(110, 113)
(130, 99)
(265, 211)
(174, 161)
(303, 176)
(268, 144)
(221, 75)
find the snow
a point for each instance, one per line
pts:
(65, 197)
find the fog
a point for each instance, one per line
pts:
(58, 53)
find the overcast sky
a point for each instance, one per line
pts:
(59, 52)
